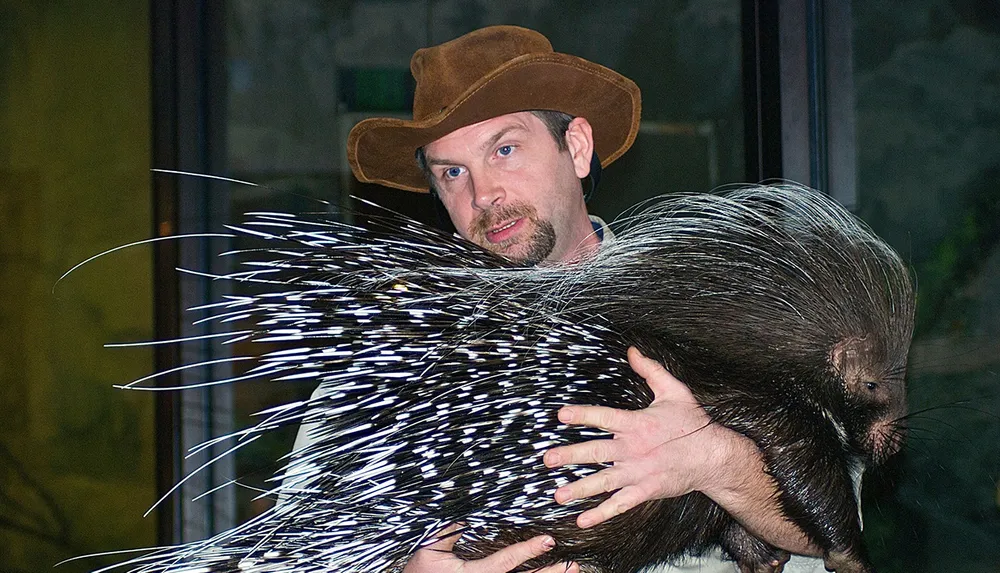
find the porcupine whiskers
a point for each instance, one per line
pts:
(920, 424)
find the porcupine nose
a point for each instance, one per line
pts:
(887, 437)
(888, 431)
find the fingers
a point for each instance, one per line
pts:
(604, 481)
(608, 419)
(592, 452)
(622, 501)
(447, 538)
(663, 384)
(511, 556)
(559, 568)
(438, 557)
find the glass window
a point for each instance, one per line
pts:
(927, 91)
(77, 460)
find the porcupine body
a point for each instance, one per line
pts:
(441, 369)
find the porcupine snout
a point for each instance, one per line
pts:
(874, 383)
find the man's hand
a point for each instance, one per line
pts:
(438, 557)
(669, 449)
(661, 451)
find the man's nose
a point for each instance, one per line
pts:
(487, 191)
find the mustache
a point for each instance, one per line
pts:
(490, 219)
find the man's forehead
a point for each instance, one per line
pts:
(486, 129)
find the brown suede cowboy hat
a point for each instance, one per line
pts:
(484, 74)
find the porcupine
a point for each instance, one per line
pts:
(441, 368)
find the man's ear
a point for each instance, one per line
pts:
(580, 144)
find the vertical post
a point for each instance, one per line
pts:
(841, 112)
(816, 94)
(189, 83)
(799, 92)
(762, 90)
(165, 258)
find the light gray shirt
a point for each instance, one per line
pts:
(714, 563)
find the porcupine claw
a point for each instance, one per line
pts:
(772, 567)
(776, 564)
(752, 554)
(844, 562)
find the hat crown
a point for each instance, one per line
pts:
(446, 71)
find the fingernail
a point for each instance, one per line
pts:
(551, 459)
(548, 543)
(563, 496)
(584, 522)
(565, 415)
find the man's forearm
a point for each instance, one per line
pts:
(745, 490)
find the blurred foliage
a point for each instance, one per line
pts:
(958, 257)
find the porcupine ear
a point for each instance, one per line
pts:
(849, 363)
(842, 354)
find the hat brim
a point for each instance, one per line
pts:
(381, 150)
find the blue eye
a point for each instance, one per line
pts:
(505, 150)
(452, 172)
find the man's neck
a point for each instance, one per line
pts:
(587, 241)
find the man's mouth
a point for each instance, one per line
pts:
(503, 232)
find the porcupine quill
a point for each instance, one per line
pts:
(441, 368)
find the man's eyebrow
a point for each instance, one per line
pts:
(435, 161)
(499, 135)
(486, 145)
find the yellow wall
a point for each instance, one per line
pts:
(76, 455)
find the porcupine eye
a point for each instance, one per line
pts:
(871, 385)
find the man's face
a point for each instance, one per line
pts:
(509, 188)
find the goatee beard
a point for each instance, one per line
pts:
(538, 246)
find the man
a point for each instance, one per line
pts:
(504, 130)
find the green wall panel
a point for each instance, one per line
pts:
(76, 455)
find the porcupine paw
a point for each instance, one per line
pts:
(751, 554)
(844, 562)
(776, 565)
